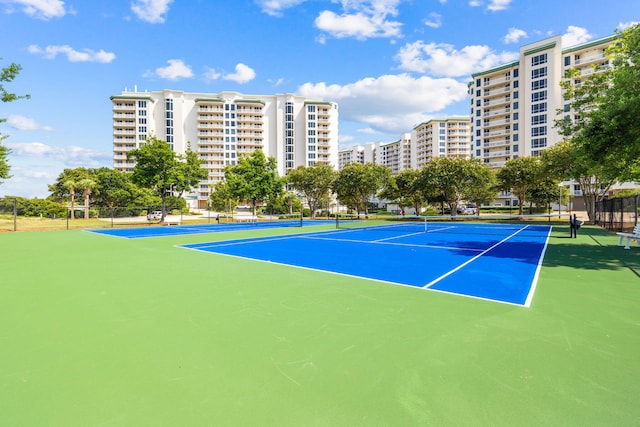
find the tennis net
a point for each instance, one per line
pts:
(279, 220)
(463, 224)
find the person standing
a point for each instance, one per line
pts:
(573, 226)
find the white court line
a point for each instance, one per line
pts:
(436, 280)
(534, 282)
(398, 237)
(380, 242)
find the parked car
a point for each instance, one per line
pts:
(470, 209)
(154, 216)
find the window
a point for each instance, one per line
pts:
(539, 120)
(515, 73)
(538, 143)
(538, 131)
(515, 148)
(516, 116)
(539, 59)
(142, 112)
(515, 84)
(515, 95)
(477, 82)
(539, 108)
(538, 73)
(567, 61)
(142, 121)
(311, 117)
(311, 108)
(168, 104)
(515, 105)
(539, 84)
(142, 104)
(539, 96)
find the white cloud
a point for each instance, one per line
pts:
(434, 21)
(275, 7)
(151, 11)
(243, 74)
(86, 55)
(42, 9)
(361, 19)
(514, 35)
(211, 74)
(444, 60)
(575, 35)
(70, 156)
(624, 25)
(495, 5)
(25, 123)
(174, 71)
(389, 103)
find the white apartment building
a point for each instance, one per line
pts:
(450, 137)
(513, 107)
(221, 127)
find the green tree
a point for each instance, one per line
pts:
(68, 185)
(116, 189)
(87, 185)
(484, 189)
(357, 183)
(221, 198)
(157, 168)
(452, 180)
(519, 176)
(567, 160)
(254, 179)
(7, 75)
(189, 171)
(314, 182)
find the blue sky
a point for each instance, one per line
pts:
(390, 64)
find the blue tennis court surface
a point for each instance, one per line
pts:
(159, 231)
(487, 261)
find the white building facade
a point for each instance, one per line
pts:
(513, 107)
(221, 127)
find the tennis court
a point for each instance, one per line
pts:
(116, 331)
(492, 261)
(160, 231)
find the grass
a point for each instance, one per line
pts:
(100, 330)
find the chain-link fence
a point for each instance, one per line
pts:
(619, 214)
(17, 214)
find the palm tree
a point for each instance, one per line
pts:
(87, 185)
(71, 188)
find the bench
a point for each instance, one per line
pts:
(631, 237)
(171, 222)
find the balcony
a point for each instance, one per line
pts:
(498, 143)
(590, 58)
(499, 112)
(496, 133)
(493, 81)
(494, 154)
(492, 123)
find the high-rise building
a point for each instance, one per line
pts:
(448, 137)
(514, 106)
(440, 138)
(221, 127)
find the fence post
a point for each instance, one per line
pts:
(15, 214)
